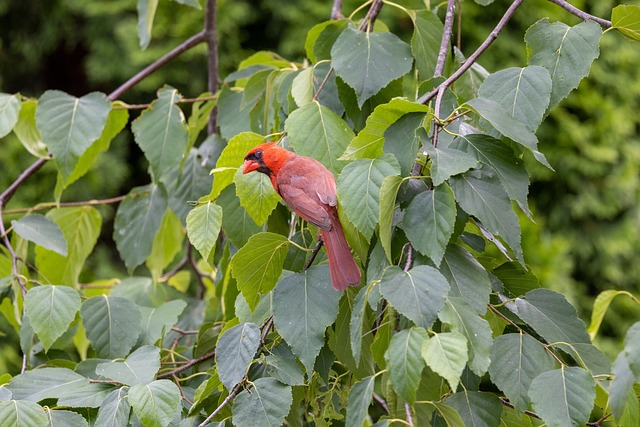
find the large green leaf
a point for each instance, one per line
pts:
(500, 157)
(161, 132)
(388, 193)
(304, 304)
(359, 187)
(231, 159)
(417, 294)
(463, 319)
(446, 161)
(156, 403)
(146, 14)
(516, 359)
(484, 197)
(236, 221)
(563, 397)
(369, 61)
(371, 139)
(9, 112)
(446, 354)
(401, 139)
(60, 418)
(258, 264)
(157, 320)
(282, 365)
(42, 231)
(21, 413)
(600, 307)
(524, 93)
(203, 226)
(321, 37)
(137, 221)
(140, 367)
(425, 42)
(478, 409)
(429, 220)
(626, 19)
(467, 277)
(357, 321)
(405, 362)
(256, 194)
(27, 131)
(112, 325)
(551, 316)
(632, 349)
(69, 125)
(622, 397)
(359, 400)
(115, 410)
(316, 131)
(166, 244)
(234, 353)
(566, 52)
(45, 383)
(81, 229)
(51, 309)
(264, 405)
(87, 395)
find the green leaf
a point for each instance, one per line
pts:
(27, 131)
(463, 319)
(69, 125)
(626, 19)
(255, 88)
(59, 418)
(401, 139)
(467, 277)
(81, 229)
(516, 359)
(321, 37)
(156, 403)
(166, 244)
(566, 52)
(203, 226)
(258, 264)
(484, 197)
(500, 157)
(316, 131)
(87, 395)
(632, 349)
(359, 187)
(161, 132)
(161, 319)
(563, 397)
(369, 61)
(231, 159)
(524, 93)
(446, 161)
(446, 354)
(371, 140)
(112, 325)
(360, 397)
(146, 14)
(45, 383)
(405, 362)
(622, 397)
(21, 413)
(388, 193)
(234, 353)
(138, 219)
(256, 194)
(429, 221)
(282, 365)
(516, 280)
(478, 409)
(450, 415)
(507, 125)
(9, 112)
(357, 321)
(600, 307)
(140, 367)
(51, 309)
(304, 304)
(265, 405)
(41, 231)
(192, 3)
(425, 42)
(417, 294)
(236, 222)
(115, 410)
(302, 87)
(551, 316)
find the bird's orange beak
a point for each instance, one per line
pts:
(250, 166)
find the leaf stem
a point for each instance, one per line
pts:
(49, 205)
(188, 365)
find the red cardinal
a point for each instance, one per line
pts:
(309, 189)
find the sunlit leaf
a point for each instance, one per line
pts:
(156, 403)
(140, 367)
(9, 112)
(626, 19)
(21, 413)
(146, 14)
(446, 354)
(41, 231)
(51, 309)
(257, 195)
(405, 362)
(45, 383)
(203, 226)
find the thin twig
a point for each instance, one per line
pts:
(186, 366)
(211, 38)
(474, 57)
(380, 402)
(178, 50)
(224, 403)
(336, 10)
(508, 404)
(199, 274)
(446, 38)
(581, 14)
(179, 101)
(265, 330)
(314, 253)
(45, 206)
(407, 410)
(179, 266)
(8, 193)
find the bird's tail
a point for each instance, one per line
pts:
(342, 265)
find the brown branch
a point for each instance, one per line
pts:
(474, 57)
(224, 403)
(371, 16)
(211, 38)
(314, 253)
(8, 193)
(179, 101)
(446, 39)
(188, 365)
(407, 410)
(199, 274)
(380, 402)
(178, 50)
(169, 274)
(508, 404)
(336, 10)
(581, 14)
(45, 206)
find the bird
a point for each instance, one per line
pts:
(309, 189)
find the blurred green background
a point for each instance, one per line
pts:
(587, 216)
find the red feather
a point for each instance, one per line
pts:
(309, 189)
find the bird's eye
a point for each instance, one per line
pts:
(258, 154)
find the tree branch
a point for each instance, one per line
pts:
(581, 14)
(336, 11)
(211, 38)
(188, 365)
(8, 193)
(45, 206)
(178, 50)
(224, 403)
(446, 38)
